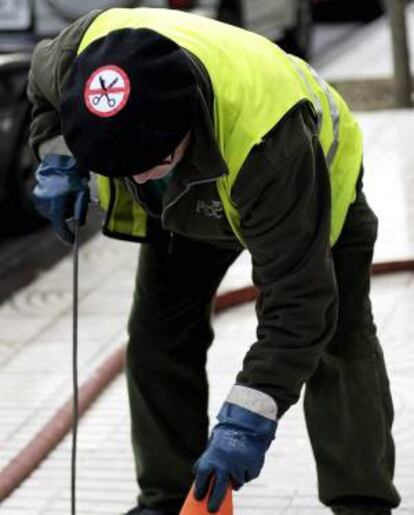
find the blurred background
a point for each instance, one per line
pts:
(364, 48)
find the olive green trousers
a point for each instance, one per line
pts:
(348, 406)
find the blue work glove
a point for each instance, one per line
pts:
(62, 193)
(236, 451)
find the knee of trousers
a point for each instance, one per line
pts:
(169, 336)
(175, 352)
(350, 344)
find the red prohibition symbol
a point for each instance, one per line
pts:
(107, 91)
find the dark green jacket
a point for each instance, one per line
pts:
(283, 195)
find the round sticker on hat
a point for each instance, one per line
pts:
(107, 91)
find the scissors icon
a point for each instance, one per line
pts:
(97, 99)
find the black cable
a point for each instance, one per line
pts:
(75, 366)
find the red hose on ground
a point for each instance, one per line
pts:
(391, 267)
(60, 424)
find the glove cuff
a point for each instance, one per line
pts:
(65, 163)
(253, 400)
(250, 410)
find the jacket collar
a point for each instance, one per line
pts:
(203, 161)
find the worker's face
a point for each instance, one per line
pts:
(164, 168)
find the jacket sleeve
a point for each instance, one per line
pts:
(50, 67)
(283, 196)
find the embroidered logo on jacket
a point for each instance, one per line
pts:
(212, 208)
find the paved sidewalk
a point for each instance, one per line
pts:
(35, 355)
(287, 486)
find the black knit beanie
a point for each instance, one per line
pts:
(128, 102)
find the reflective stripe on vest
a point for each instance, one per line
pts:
(341, 141)
(268, 85)
(333, 108)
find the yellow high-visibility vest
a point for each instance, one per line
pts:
(255, 84)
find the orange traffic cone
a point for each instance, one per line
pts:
(194, 507)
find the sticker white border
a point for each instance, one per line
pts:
(108, 103)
